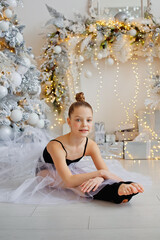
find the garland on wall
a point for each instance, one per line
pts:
(74, 41)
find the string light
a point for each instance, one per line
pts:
(100, 77)
(132, 102)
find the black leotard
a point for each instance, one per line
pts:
(48, 159)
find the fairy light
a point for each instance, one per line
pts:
(69, 75)
(148, 85)
(132, 102)
(100, 77)
(80, 67)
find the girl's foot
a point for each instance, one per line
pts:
(129, 189)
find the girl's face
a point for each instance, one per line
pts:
(80, 121)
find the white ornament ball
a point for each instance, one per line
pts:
(8, 13)
(57, 49)
(88, 74)
(27, 62)
(16, 115)
(3, 92)
(12, 3)
(81, 58)
(35, 90)
(132, 32)
(110, 61)
(32, 55)
(121, 17)
(16, 79)
(4, 25)
(19, 38)
(22, 69)
(95, 64)
(6, 133)
(33, 119)
(99, 55)
(40, 123)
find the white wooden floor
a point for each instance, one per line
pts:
(137, 220)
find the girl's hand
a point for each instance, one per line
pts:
(91, 184)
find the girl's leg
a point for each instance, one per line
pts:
(110, 193)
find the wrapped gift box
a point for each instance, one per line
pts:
(157, 123)
(99, 137)
(146, 119)
(126, 136)
(149, 122)
(110, 138)
(126, 127)
(99, 132)
(111, 149)
(142, 150)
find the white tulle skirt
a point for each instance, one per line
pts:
(19, 183)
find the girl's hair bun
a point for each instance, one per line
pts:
(80, 102)
(80, 97)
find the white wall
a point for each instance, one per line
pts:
(34, 15)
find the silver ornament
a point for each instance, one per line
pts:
(16, 115)
(121, 17)
(33, 119)
(3, 92)
(6, 133)
(88, 74)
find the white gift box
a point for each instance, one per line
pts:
(149, 122)
(157, 123)
(111, 149)
(142, 150)
(146, 119)
(99, 132)
(110, 138)
(99, 137)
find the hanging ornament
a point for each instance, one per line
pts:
(40, 123)
(33, 119)
(12, 3)
(19, 38)
(35, 90)
(16, 115)
(110, 61)
(27, 62)
(32, 55)
(94, 63)
(121, 17)
(16, 78)
(132, 32)
(8, 13)
(88, 74)
(22, 69)
(57, 49)
(6, 133)
(4, 26)
(99, 55)
(81, 58)
(3, 92)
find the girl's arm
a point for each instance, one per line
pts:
(94, 152)
(58, 156)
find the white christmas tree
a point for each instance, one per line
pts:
(20, 84)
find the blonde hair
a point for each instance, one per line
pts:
(80, 102)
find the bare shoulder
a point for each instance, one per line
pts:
(92, 143)
(92, 146)
(55, 148)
